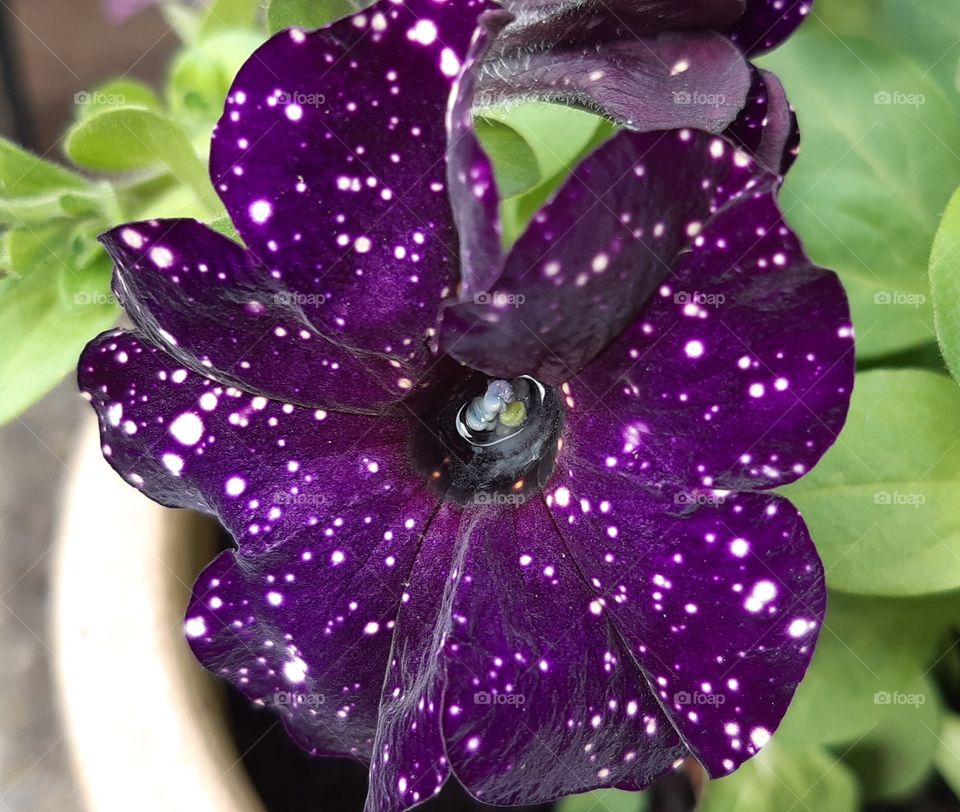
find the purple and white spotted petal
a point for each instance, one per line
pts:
(720, 598)
(543, 699)
(646, 83)
(767, 127)
(737, 374)
(325, 509)
(211, 306)
(271, 472)
(596, 253)
(330, 158)
(470, 179)
(767, 23)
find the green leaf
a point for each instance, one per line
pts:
(128, 138)
(25, 175)
(201, 76)
(869, 649)
(224, 225)
(882, 505)
(309, 13)
(514, 163)
(605, 800)
(877, 167)
(560, 137)
(945, 285)
(226, 15)
(947, 759)
(115, 93)
(778, 779)
(897, 755)
(42, 330)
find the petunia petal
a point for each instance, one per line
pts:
(472, 187)
(330, 160)
(409, 762)
(767, 23)
(738, 372)
(767, 126)
(325, 510)
(647, 82)
(269, 471)
(542, 699)
(213, 308)
(723, 598)
(593, 256)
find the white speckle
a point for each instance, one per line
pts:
(260, 211)
(424, 32)
(208, 401)
(739, 547)
(235, 486)
(294, 112)
(362, 245)
(274, 598)
(187, 428)
(173, 463)
(757, 390)
(195, 627)
(295, 670)
(759, 736)
(449, 64)
(800, 627)
(371, 628)
(694, 349)
(132, 238)
(161, 257)
(562, 496)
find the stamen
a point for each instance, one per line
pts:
(483, 411)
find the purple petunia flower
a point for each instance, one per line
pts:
(655, 65)
(500, 515)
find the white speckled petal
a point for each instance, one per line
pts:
(543, 698)
(720, 594)
(330, 158)
(736, 374)
(211, 306)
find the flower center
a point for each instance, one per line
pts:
(488, 441)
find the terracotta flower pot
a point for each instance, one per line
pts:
(145, 724)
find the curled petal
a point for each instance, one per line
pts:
(595, 254)
(722, 597)
(643, 82)
(767, 23)
(330, 158)
(218, 312)
(543, 698)
(738, 372)
(767, 126)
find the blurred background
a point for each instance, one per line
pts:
(51, 50)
